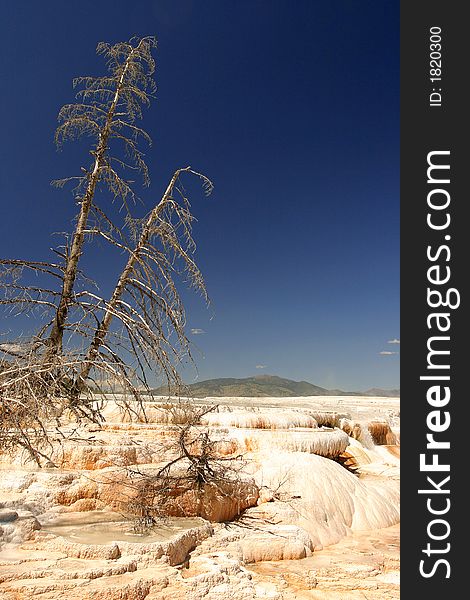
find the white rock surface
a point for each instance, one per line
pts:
(295, 500)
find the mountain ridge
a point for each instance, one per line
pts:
(267, 385)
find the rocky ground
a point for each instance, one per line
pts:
(311, 513)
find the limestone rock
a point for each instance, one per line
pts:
(285, 542)
(6, 515)
(289, 501)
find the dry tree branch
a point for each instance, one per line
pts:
(131, 75)
(151, 301)
(85, 343)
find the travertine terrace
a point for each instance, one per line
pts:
(313, 512)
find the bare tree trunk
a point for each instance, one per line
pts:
(105, 323)
(70, 273)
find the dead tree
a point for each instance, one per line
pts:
(108, 110)
(199, 462)
(145, 299)
(83, 340)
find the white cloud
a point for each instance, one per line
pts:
(394, 341)
(261, 366)
(387, 353)
(197, 331)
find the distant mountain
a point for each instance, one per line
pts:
(267, 385)
(381, 392)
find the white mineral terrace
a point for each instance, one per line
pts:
(309, 510)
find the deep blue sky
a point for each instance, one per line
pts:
(292, 108)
